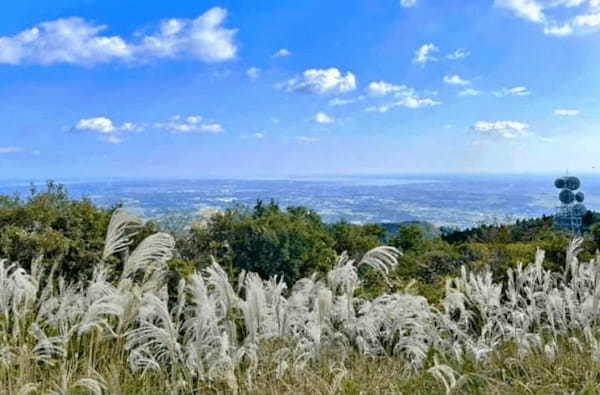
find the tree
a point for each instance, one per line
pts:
(354, 239)
(66, 232)
(409, 237)
(265, 239)
(595, 232)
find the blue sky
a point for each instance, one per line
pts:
(277, 88)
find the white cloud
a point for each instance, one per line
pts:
(415, 102)
(566, 112)
(580, 16)
(553, 30)
(282, 53)
(131, 127)
(253, 73)
(191, 124)
(111, 133)
(203, 38)
(455, 80)
(70, 40)
(425, 54)
(469, 92)
(106, 128)
(336, 101)
(458, 54)
(527, 9)
(322, 118)
(306, 139)
(504, 129)
(100, 125)
(79, 42)
(9, 150)
(408, 3)
(382, 88)
(516, 91)
(321, 82)
(405, 97)
(587, 20)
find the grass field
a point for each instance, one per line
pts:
(126, 332)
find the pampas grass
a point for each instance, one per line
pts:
(128, 336)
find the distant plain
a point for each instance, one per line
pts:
(458, 200)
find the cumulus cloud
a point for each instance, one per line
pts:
(382, 88)
(322, 118)
(106, 128)
(469, 92)
(554, 30)
(425, 54)
(579, 16)
(321, 82)
(282, 53)
(404, 97)
(99, 125)
(104, 125)
(566, 112)
(114, 134)
(253, 73)
(9, 150)
(80, 42)
(516, 91)
(455, 80)
(458, 54)
(203, 38)
(190, 124)
(503, 129)
(408, 3)
(336, 101)
(527, 9)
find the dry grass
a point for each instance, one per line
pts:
(121, 333)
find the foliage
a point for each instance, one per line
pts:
(66, 232)
(120, 332)
(355, 239)
(289, 243)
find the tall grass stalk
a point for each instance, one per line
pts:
(317, 336)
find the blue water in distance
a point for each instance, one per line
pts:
(449, 200)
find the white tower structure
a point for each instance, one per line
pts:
(569, 214)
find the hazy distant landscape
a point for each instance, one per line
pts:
(444, 200)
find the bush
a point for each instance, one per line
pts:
(62, 230)
(289, 243)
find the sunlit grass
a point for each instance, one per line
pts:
(125, 331)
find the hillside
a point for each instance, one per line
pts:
(132, 310)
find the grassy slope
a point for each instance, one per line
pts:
(573, 370)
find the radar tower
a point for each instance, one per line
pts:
(571, 210)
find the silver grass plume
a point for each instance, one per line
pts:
(150, 255)
(157, 334)
(381, 258)
(121, 229)
(448, 376)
